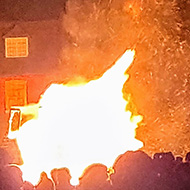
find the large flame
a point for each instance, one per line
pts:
(79, 125)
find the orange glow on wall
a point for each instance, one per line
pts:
(15, 93)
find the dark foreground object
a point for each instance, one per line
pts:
(132, 170)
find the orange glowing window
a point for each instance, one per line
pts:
(16, 47)
(15, 93)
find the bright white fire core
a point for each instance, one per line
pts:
(79, 125)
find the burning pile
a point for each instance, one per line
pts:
(79, 124)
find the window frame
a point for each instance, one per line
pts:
(15, 93)
(17, 51)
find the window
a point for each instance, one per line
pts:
(16, 47)
(15, 93)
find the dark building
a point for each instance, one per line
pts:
(30, 44)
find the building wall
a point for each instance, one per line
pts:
(45, 44)
(35, 87)
(37, 70)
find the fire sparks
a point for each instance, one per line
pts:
(79, 125)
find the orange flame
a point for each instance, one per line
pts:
(79, 125)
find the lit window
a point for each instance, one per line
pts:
(16, 47)
(15, 93)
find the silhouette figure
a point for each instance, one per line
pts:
(179, 159)
(187, 157)
(61, 178)
(133, 170)
(94, 178)
(182, 173)
(10, 178)
(45, 183)
(164, 165)
(27, 186)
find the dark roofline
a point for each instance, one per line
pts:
(33, 10)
